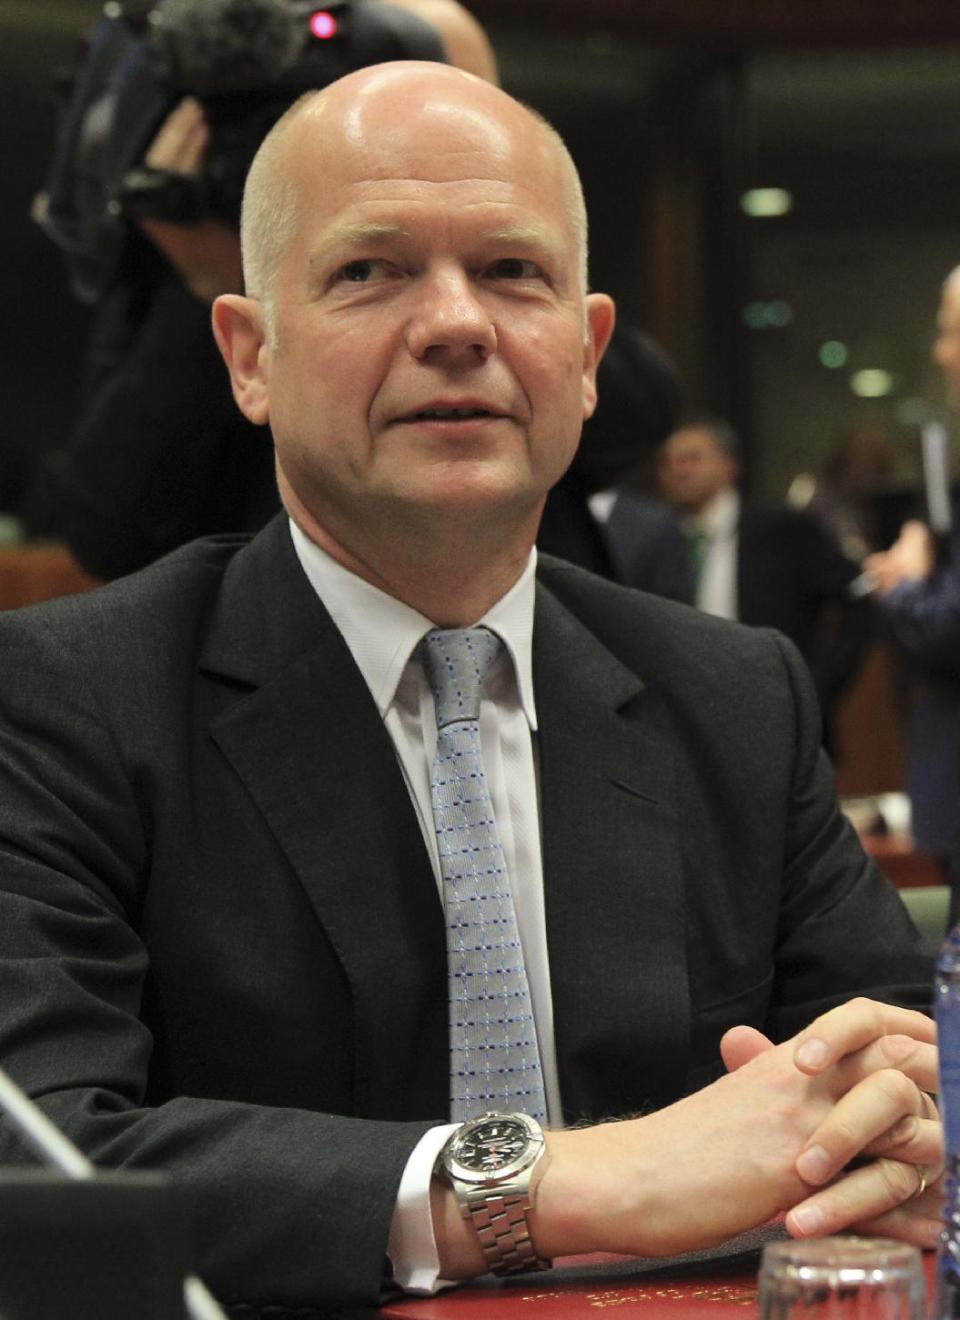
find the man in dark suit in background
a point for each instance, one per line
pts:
(764, 564)
(222, 950)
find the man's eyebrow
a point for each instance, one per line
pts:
(534, 235)
(347, 236)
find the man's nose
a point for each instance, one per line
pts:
(451, 320)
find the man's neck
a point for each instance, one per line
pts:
(713, 508)
(451, 577)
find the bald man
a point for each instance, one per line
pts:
(222, 895)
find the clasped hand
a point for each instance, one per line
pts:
(834, 1127)
(878, 1151)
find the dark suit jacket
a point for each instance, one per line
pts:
(788, 570)
(221, 944)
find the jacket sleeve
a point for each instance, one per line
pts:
(842, 928)
(923, 618)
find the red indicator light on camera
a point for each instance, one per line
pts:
(323, 25)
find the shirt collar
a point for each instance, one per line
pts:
(382, 631)
(720, 516)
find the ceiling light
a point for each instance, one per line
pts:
(833, 354)
(763, 203)
(871, 383)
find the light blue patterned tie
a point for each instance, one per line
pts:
(494, 1058)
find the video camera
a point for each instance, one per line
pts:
(246, 61)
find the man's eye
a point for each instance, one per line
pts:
(515, 268)
(359, 272)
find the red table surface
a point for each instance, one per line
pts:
(708, 1295)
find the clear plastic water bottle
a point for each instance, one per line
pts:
(946, 1007)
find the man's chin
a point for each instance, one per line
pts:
(474, 486)
(474, 504)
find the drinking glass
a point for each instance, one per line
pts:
(842, 1278)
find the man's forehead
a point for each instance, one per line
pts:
(353, 210)
(693, 437)
(404, 158)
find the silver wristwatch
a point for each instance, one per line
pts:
(488, 1162)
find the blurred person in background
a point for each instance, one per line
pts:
(763, 564)
(917, 594)
(857, 476)
(160, 453)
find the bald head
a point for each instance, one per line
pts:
(376, 113)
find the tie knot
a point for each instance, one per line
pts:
(456, 662)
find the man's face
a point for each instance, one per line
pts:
(433, 352)
(946, 346)
(694, 468)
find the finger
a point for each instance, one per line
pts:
(853, 1025)
(172, 131)
(741, 1044)
(859, 1117)
(915, 1059)
(905, 1226)
(858, 1197)
(917, 1221)
(193, 150)
(914, 1141)
(183, 132)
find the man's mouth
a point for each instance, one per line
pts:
(455, 412)
(449, 414)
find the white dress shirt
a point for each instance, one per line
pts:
(717, 582)
(382, 634)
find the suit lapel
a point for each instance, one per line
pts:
(305, 737)
(612, 875)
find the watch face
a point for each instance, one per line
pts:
(494, 1147)
(489, 1145)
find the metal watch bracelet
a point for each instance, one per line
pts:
(500, 1222)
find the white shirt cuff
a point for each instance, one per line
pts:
(413, 1246)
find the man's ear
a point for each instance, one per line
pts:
(240, 331)
(601, 315)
